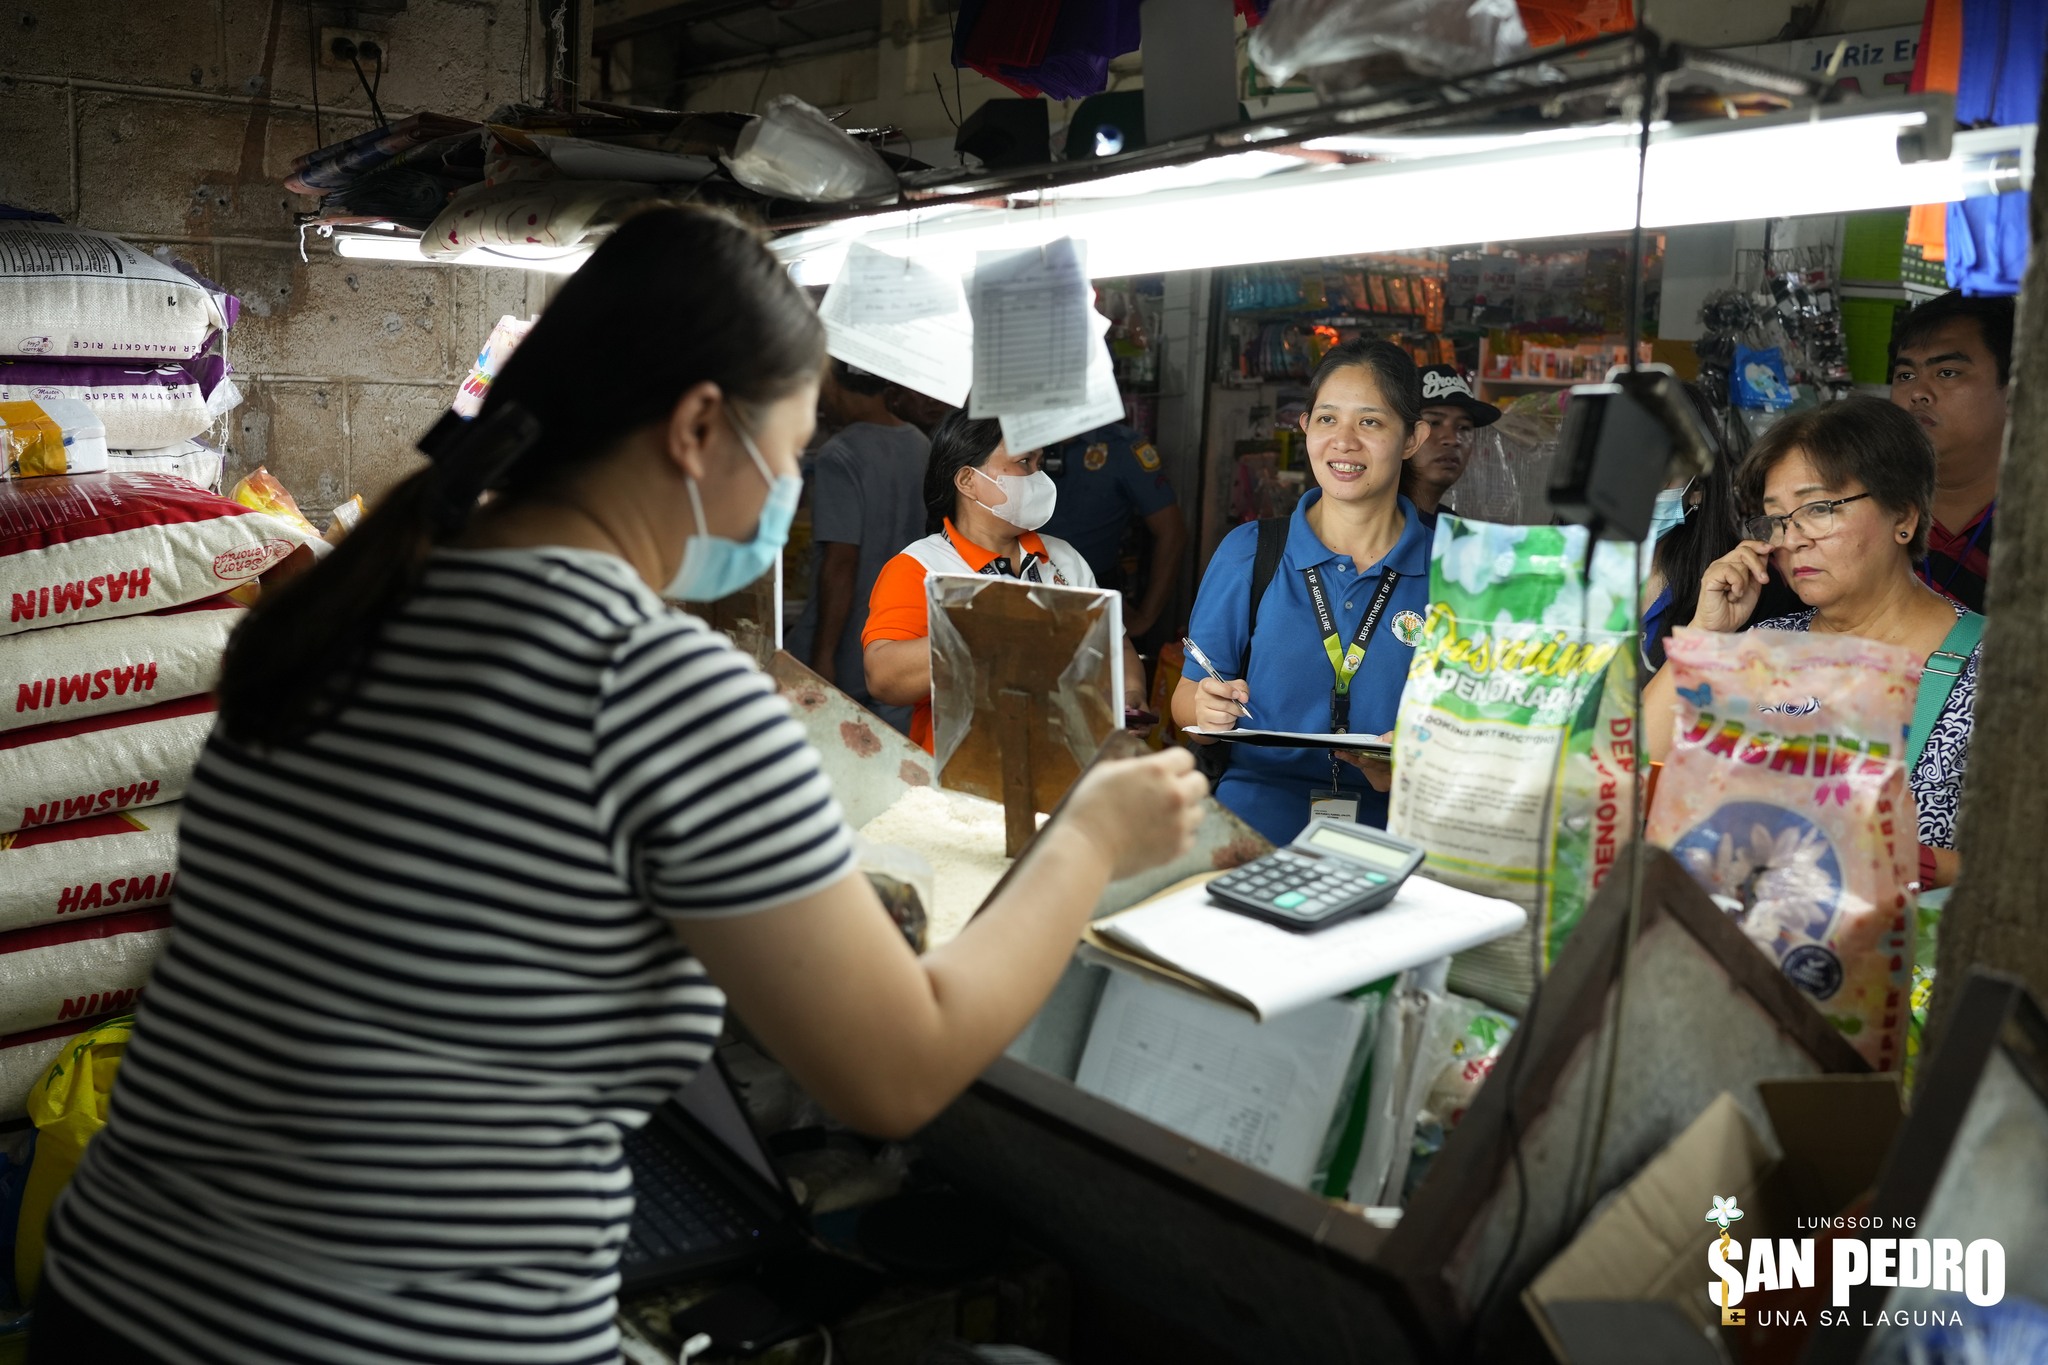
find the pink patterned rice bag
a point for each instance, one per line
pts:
(1785, 796)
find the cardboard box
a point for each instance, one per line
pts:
(1632, 1285)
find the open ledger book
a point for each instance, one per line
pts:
(1182, 937)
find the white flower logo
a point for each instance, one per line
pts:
(1724, 1212)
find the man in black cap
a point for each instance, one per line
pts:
(1438, 463)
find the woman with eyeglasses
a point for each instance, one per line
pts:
(1845, 493)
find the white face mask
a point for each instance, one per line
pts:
(1028, 499)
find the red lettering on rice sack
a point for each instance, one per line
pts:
(78, 687)
(78, 968)
(88, 549)
(62, 598)
(130, 788)
(99, 1002)
(114, 664)
(138, 891)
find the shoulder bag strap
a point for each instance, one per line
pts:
(1944, 666)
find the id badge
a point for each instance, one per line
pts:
(1333, 805)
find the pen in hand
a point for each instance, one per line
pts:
(1195, 652)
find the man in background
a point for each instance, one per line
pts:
(1439, 462)
(867, 503)
(1110, 478)
(1951, 359)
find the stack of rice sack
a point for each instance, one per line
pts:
(109, 358)
(114, 612)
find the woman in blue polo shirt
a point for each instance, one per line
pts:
(1357, 545)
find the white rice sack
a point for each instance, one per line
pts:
(193, 461)
(100, 546)
(60, 973)
(101, 667)
(70, 291)
(75, 768)
(143, 405)
(25, 1057)
(83, 868)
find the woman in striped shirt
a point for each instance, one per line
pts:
(484, 841)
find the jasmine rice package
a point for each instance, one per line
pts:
(1785, 796)
(1515, 755)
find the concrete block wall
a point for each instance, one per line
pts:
(172, 123)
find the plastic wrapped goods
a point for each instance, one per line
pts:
(1343, 44)
(498, 347)
(261, 492)
(69, 291)
(795, 152)
(90, 548)
(51, 437)
(1515, 753)
(83, 868)
(1785, 795)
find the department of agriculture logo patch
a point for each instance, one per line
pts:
(1407, 627)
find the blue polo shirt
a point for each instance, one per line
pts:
(1110, 478)
(1291, 677)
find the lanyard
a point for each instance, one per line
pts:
(1345, 662)
(999, 567)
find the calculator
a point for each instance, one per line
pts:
(1333, 870)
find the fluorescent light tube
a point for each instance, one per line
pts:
(1544, 187)
(365, 247)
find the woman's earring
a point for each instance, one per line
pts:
(1905, 535)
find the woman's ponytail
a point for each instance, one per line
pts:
(674, 298)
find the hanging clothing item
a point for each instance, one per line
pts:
(1085, 37)
(1998, 83)
(1935, 67)
(991, 34)
(1550, 22)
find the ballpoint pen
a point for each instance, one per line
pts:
(1195, 652)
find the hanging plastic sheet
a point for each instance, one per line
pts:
(1027, 681)
(794, 151)
(1345, 44)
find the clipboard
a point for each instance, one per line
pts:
(1290, 739)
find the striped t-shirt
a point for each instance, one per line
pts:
(425, 971)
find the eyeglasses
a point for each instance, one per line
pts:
(1815, 520)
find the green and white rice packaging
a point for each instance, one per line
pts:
(1515, 757)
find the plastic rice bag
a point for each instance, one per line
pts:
(261, 492)
(1515, 754)
(1785, 796)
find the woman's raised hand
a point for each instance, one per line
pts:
(1730, 587)
(1140, 812)
(1219, 705)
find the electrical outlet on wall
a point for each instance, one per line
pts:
(339, 45)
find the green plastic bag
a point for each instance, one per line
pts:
(1515, 756)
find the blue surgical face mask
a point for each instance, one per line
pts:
(714, 566)
(1666, 515)
(1669, 512)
